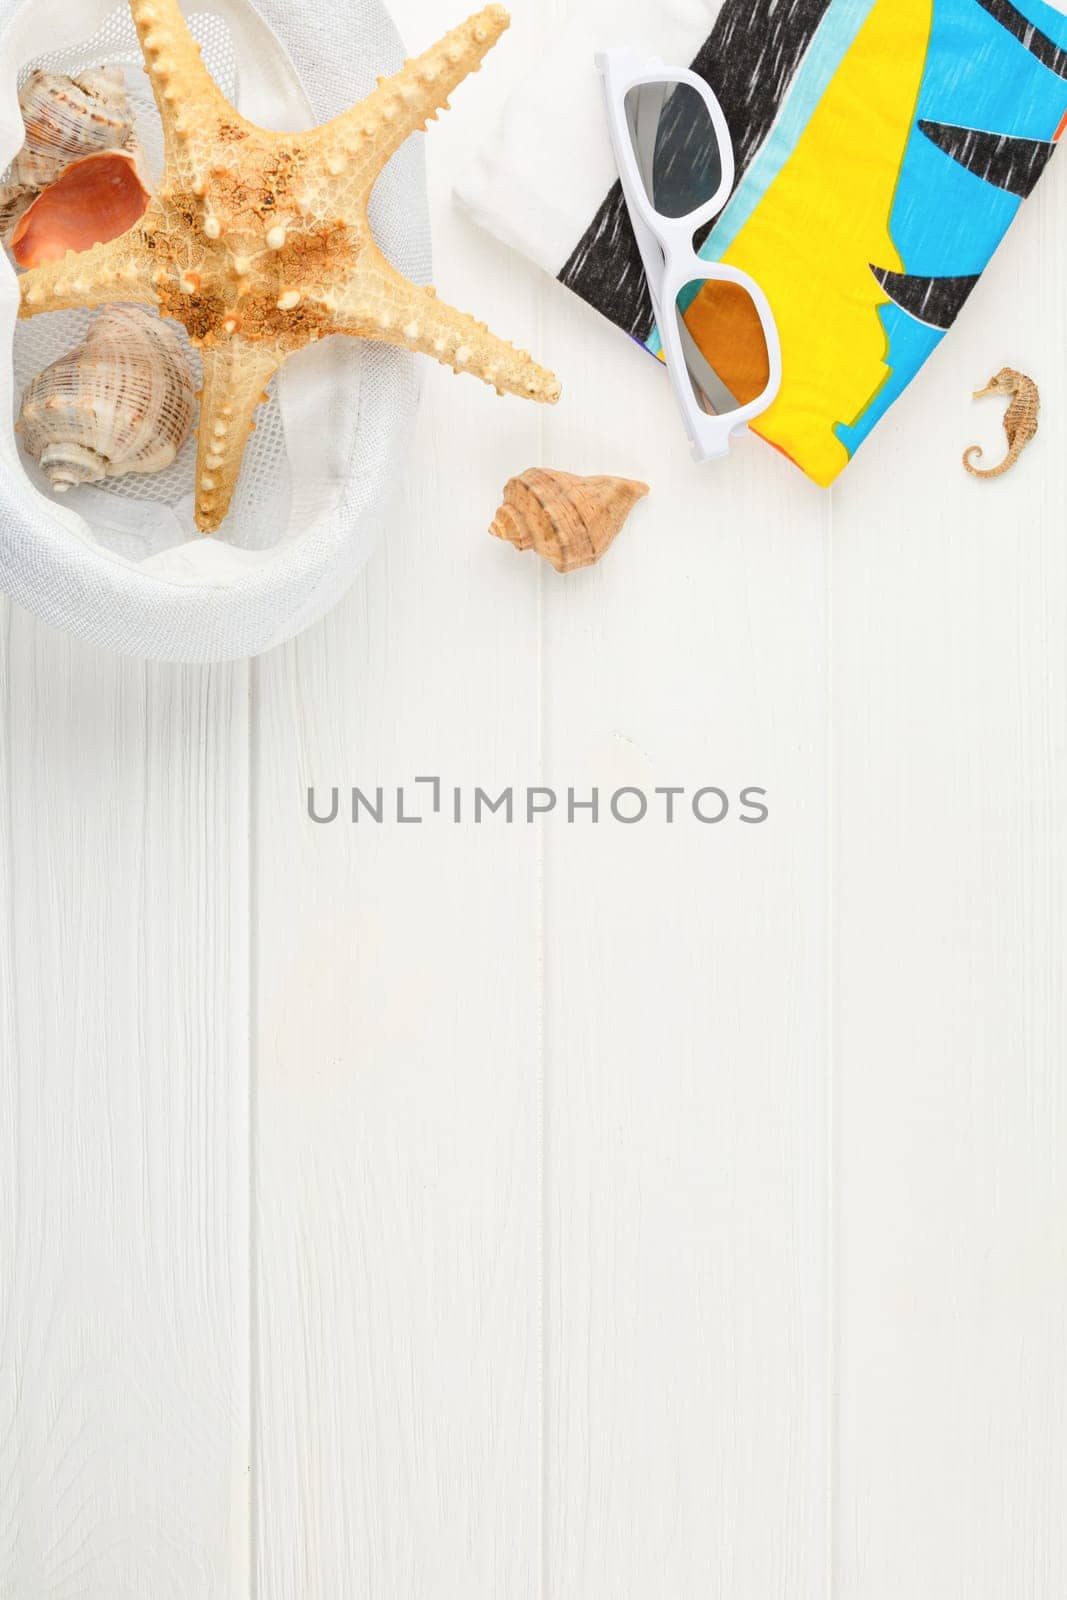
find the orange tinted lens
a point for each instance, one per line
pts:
(724, 343)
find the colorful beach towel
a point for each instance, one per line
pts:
(883, 150)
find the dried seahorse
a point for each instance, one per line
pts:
(1020, 420)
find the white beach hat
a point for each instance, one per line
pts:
(123, 566)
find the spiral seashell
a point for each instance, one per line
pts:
(123, 401)
(568, 520)
(66, 120)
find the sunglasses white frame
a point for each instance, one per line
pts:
(668, 252)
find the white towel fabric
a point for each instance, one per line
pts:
(544, 172)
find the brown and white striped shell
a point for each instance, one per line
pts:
(66, 120)
(123, 401)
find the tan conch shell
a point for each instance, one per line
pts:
(123, 401)
(66, 119)
(93, 201)
(571, 521)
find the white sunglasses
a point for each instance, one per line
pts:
(676, 161)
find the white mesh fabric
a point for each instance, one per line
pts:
(122, 565)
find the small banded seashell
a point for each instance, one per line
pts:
(123, 401)
(66, 119)
(571, 521)
(93, 201)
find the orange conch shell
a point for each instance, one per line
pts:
(568, 520)
(66, 119)
(96, 200)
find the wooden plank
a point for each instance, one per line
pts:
(950, 717)
(123, 1124)
(686, 996)
(397, 1208)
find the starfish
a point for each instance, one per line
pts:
(260, 243)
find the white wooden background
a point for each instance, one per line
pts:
(588, 1214)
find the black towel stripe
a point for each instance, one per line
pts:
(998, 158)
(1028, 34)
(935, 301)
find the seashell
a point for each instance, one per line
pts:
(571, 521)
(66, 119)
(94, 201)
(14, 198)
(123, 401)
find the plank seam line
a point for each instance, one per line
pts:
(541, 1093)
(252, 867)
(830, 1071)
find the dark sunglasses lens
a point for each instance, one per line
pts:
(724, 345)
(676, 146)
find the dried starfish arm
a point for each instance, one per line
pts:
(350, 152)
(383, 305)
(119, 272)
(236, 375)
(190, 102)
